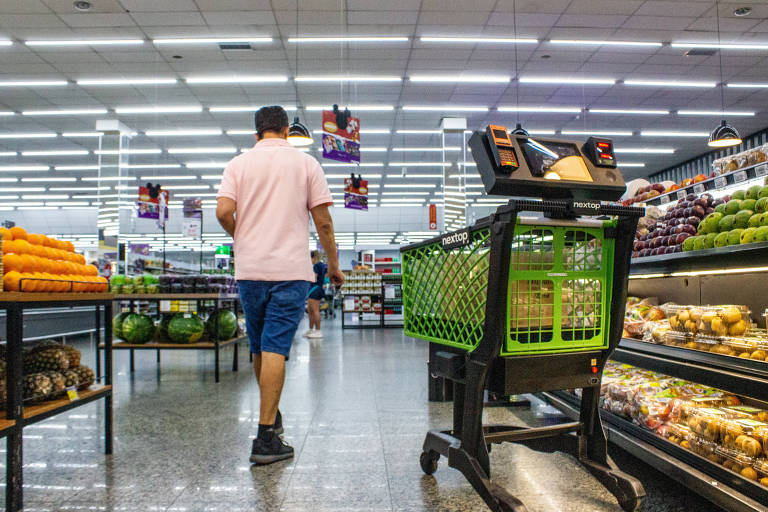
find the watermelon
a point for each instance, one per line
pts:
(186, 328)
(138, 328)
(227, 325)
(117, 324)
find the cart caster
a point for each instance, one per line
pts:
(428, 461)
(633, 504)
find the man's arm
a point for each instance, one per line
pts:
(225, 212)
(324, 225)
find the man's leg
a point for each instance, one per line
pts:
(271, 386)
(257, 366)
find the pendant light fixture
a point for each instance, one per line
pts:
(724, 135)
(298, 134)
(519, 130)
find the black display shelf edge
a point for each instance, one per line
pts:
(713, 482)
(735, 256)
(739, 376)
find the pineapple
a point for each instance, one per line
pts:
(73, 354)
(37, 386)
(71, 378)
(58, 382)
(52, 359)
(86, 377)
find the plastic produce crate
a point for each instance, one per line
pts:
(558, 294)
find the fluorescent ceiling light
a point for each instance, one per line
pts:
(714, 113)
(361, 166)
(4, 113)
(532, 132)
(347, 78)
(571, 110)
(128, 81)
(418, 132)
(211, 40)
(241, 132)
(22, 189)
(669, 83)
(48, 178)
(23, 168)
(8, 153)
(502, 40)
(72, 112)
(630, 164)
(723, 46)
(83, 42)
(371, 149)
(460, 78)
(246, 108)
(427, 149)
(77, 168)
(81, 134)
(46, 196)
(206, 165)
(444, 108)
(185, 187)
(588, 42)
(420, 164)
(5, 42)
(152, 166)
(374, 131)
(176, 151)
(17, 135)
(33, 83)
(410, 185)
(76, 152)
(183, 133)
(672, 133)
(353, 108)
(224, 80)
(748, 85)
(647, 151)
(627, 111)
(182, 109)
(565, 81)
(349, 39)
(127, 151)
(342, 176)
(607, 133)
(171, 178)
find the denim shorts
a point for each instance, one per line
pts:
(273, 310)
(316, 292)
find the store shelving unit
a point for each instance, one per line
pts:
(212, 301)
(359, 289)
(392, 300)
(711, 276)
(19, 415)
(388, 266)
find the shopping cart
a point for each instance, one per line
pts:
(529, 299)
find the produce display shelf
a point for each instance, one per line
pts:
(732, 256)
(712, 481)
(203, 345)
(42, 411)
(739, 376)
(6, 426)
(176, 296)
(49, 298)
(724, 180)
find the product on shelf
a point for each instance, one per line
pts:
(186, 328)
(58, 384)
(37, 386)
(638, 314)
(38, 263)
(169, 283)
(137, 328)
(85, 377)
(728, 320)
(740, 160)
(669, 232)
(227, 325)
(48, 359)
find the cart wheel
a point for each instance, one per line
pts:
(428, 461)
(632, 504)
(488, 447)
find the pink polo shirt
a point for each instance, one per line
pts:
(274, 186)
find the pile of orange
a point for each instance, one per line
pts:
(38, 263)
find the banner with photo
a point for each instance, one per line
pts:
(356, 193)
(149, 203)
(192, 223)
(342, 145)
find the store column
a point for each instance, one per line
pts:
(454, 173)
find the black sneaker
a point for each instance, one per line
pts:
(269, 451)
(279, 424)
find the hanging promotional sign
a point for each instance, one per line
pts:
(192, 223)
(142, 249)
(341, 136)
(149, 203)
(356, 193)
(433, 217)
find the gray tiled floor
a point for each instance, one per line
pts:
(356, 411)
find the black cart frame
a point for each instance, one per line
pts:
(467, 445)
(17, 414)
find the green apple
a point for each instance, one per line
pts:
(726, 223)
(720, 208)
(709, 240)
(761, 235)
(753, 192)
(734, 236)
(733, 206)
(763, 192)
(689, 244)
(739, 194)
(764, 220)
(755, 220)
(721, 240)
(709, 223)
(761, 206)
(747, 236)
(748, 204)
(741, 219)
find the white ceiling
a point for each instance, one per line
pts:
(610, 20)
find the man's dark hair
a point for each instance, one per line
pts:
(271, 119)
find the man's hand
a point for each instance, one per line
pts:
(336, 276)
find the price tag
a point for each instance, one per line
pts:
(165, 306)
(739, 176)
(761, 170)
(72, 393)
(681, 194)
(664, 199)
(698, 188)
(721, 182)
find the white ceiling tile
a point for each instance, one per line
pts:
(524, 21)
(31, 20)
(155, 6)
(473, 17)
(533, 6)
(98, 20)
(371, 17)
(233, 5)
(603, 6)
(239, 18)
(726, 24)
(658, 22)
(457, 5)
(671, 8)
(23, 7)
(168, 18)
(392, 5)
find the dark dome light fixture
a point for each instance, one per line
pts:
(298, 134)
(724, 136)
(519, 130)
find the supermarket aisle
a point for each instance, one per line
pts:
(356, 411)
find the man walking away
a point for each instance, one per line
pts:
(266, 197)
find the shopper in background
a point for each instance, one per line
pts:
(266, 197)
(316, 294)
